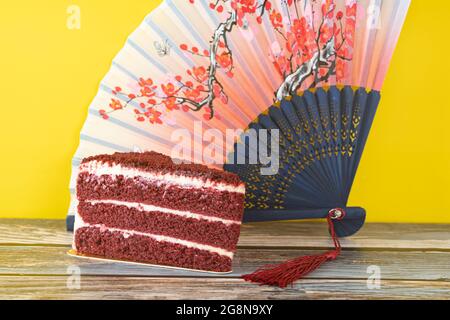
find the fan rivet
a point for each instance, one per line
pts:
(336, 214)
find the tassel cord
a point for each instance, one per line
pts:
(288, 272)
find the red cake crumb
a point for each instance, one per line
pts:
(112, 245)
(114, 222)
(222, 204)
(156, 162)
(215, 234)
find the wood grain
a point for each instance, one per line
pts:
(25, 260)
(413, 260)
(48, 287)
(267, 234)
(34, 232)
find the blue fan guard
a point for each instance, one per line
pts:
(322, 134)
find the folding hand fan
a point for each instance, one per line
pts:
(303, 73)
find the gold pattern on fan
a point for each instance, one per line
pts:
(285, 129)
(344, 134)
(334, 128)
(334, 131)
(288, 178)
(311, 133)
(326, 130)
(356, 120)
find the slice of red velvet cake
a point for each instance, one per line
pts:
(142, 207)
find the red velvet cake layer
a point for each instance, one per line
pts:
(156, 162)
(211, 233)
(137, 248)
(143, 207)
(223, 204)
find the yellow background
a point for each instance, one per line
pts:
(49, 75)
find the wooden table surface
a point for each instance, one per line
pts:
(414, 261)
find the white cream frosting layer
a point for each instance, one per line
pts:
(99, 168)
(150, 208)
(128, 233)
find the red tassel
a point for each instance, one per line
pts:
(288, 272)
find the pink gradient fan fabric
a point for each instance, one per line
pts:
(194, 65)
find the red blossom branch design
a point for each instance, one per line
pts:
(308, 54)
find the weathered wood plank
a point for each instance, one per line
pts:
(47, 287)
(42, 232)
(267, 234)
(415, 265)
(373, 235)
